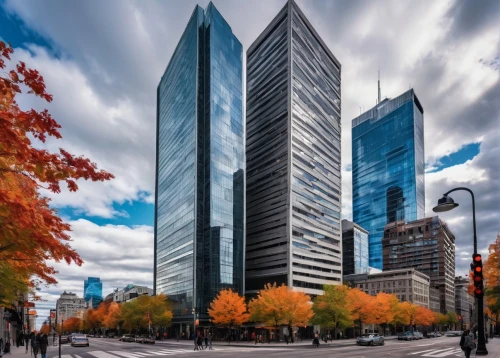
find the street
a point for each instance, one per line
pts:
(106, 348)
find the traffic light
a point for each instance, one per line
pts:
(477, 270)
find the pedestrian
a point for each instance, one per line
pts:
(254, 338)
(316, 339)
(36, 344)
(44, 343)
(469, 344)
(1, 346)
(195, 339)
(206, 341)
(200, 342)
(462, 338)
(210, 341)
(26, 340)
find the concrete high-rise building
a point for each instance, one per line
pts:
(293, 192)
(388, 167)
(464, 302)
(354, 248)
(428, 246)
(92, 291)
(199, 213)
(69, 305)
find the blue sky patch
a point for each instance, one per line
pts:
(461, 156)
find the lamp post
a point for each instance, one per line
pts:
(446, 203)
(62, 325)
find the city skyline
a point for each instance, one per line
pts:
(117, 118)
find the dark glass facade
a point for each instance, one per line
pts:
(354, 249)
(92, 290)
(199, 231)
(428, 246)
(293, 157)
(388, 167)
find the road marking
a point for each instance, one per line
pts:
(77, 356)
(425, 345)
(140, 354)
(66, 356)
(442, 353)
(414, 353)
(126, 354)
(101, 354)
(154, 352)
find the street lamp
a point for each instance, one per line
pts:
(446, 203)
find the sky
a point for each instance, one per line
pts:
(102, 61)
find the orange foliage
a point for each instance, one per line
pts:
(113, 316)
(359, 303)
(383, 308)
(423, 316)
(31, 233)
(72, 324)
(228, 309)
(277, 305)
(45, 328)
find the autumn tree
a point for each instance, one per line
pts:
(31, 233)
(159, 310)
(45, 328)
(439, 319)
(491, 272)
(451, 318)
(72, 324)
(383, 309)
(146, 311)
(330, 309)
(279, 305)
(228, 309)
(423, 316)
(359, 303)
(112, 317)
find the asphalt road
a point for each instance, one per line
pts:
(109, 348)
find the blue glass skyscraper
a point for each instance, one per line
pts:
(92, 290)
(388, 167)
(199, 212)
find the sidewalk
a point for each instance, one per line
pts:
(21, 352)
(493, 347)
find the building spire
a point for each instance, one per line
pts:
(378, 86)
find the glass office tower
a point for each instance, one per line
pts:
(92, 290)
(388, 167)
(293, 188)
(199, 214)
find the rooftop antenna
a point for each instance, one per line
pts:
(379, 85)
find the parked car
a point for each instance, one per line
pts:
(127, 338)
(64, 339)
(433, 335)
(144, 338)
(453, 334)
(406, 336)
(110, 335)
(418, 335)
(370, 340)
(80, 341)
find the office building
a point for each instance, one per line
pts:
(388, 167)
(293, 191)
(354, 248)
(92, 291)
(69, 305)
(464, 302)
(199, 212)
(130, 293)
(427, 245)
(407, 284)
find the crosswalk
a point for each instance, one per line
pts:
(439, 353)
(152, 353)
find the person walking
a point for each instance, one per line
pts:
(195, 339)
(44, 343)
(200, 342)
(254, 337)
(36, 344)
(469, 344)
(26, 340)
(206, 341)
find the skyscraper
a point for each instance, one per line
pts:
(92, 291)
(199, 214)
(293, 188)
(388, 167)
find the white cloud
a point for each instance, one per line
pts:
(117, 254)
